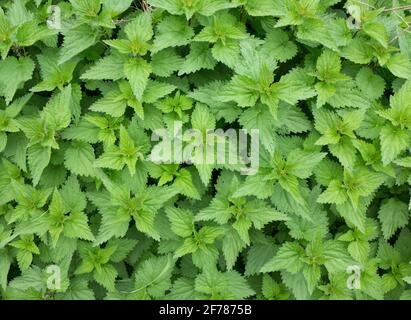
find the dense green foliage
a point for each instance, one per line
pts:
(84, 84)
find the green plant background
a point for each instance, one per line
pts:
(327, 84)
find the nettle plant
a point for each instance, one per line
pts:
(86, 213)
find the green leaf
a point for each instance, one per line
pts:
(302, 163)
(76, 40)
(287, 258)
(400, 66)
(53, 74)
(312, 274)
(114, 224)
(358, 51)
(154, 276)
(232, 246)
(172, 32)
(228, 285)
(110, 68)
(74, 200)
(76, 226)
(393, 142)
(202, 119)
(278, 43)
(78, 290)
(377, 31)
(200, 57)
(21, 69)
(329, 66)
(166, 62)
(38, 159)
(137, 72)
(117, 7)
(393, 214)
(371, 85)
(184, 182)
(257, 257)
(262, 7)
(106, 276)
(79, 158)
(181, 221)
(335, 193)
